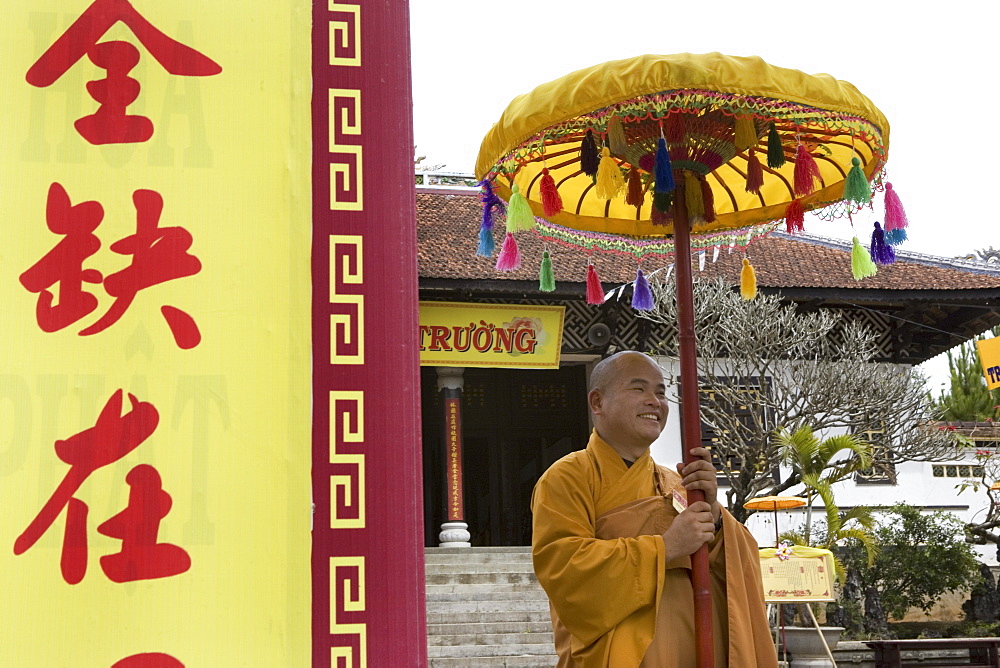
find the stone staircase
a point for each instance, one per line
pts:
(485, 608)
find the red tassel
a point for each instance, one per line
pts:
(551, 201)
(806, 172)
(707, 199)
(794, 217)
(755, 173)
(635, 196)
(509, 258)
(674, 129)
(595, 292)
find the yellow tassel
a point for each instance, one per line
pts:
(748, 281)
(692, 197)
(616, 136)
(609, 176)
(746, 132)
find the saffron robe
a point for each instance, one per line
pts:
(615, 601)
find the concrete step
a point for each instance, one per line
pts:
(480, 592)
(478, 555)
(498, 617)
(466, 606)
(491, 579)
(459, 567)
(522, 638)
(476, 651)
(470, 627)
(494, 662)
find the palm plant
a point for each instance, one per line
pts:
(821, 464)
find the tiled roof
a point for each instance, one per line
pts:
(448, 226)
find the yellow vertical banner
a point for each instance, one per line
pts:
(154, 379)
(989, 358)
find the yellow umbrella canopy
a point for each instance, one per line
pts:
(721, 118)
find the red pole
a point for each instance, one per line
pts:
(691, 419)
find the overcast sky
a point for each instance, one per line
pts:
(930, 68)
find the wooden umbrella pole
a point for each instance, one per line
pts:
(691, 419)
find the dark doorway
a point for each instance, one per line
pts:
(515, 424)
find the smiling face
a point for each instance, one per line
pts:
(629, 402)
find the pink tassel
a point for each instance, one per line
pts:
(755, 173)
(895, 215)
(806, 172)
(595, 291)
(510, 255)
(551, 201)
(794, 217)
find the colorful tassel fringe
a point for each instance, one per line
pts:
(590, 158)
(551, 201)
(487, 245)
(746, 132)
(748, 281)
(546, 277)
(663, 170)
(895, 237)
(775, 151)
(755, 173)
(692, 198)
(861, 261)
(642, 296)
(856, 187)
(509, 258)
(595, 291)
(806, 172)
(609, 176)
(707, 199)
(794, 217)
(895, 215)
(616, 136)
(635, 195)
(881, 252)
(519, 215)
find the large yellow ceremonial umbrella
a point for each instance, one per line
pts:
(634, 156)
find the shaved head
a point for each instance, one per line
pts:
(609, 368)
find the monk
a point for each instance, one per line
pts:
(612, 551)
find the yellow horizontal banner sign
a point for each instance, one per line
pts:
(989, 357)
(484, 335)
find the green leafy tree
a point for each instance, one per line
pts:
(967, 398)
(920, 557)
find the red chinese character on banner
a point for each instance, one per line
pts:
(110, 124)
(159, 254)
(149, 660)
(111, 438)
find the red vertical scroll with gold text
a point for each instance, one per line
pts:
(367, 559)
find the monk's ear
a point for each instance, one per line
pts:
(595, 401)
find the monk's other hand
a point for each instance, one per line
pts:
(700, 474)
(690, 530)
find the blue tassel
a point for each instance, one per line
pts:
(642, 296)
(881, 252)
(664, 172)
(486, 243)
(895, 237)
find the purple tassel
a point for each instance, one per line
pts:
(492, 205)
(881, 252)
(510, 256)
(642, 296)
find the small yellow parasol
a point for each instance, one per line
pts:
(774, 504)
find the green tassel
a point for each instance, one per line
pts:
(663, 201)
(775, 152)
(862, 265)
(546, 278)
(856, 188)
(519, 215)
